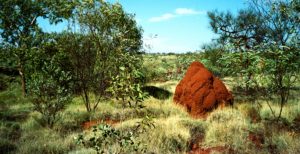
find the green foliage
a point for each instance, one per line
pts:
(153, 67)
(104, 136)
(282, 66)
(234, 64)
(19, 27)
(126, 86)
(262, 23)
(8, 62)
(49, 97)
(146, 123)
(213, 52)
(109, 39)
(49, 85)
(82, 59)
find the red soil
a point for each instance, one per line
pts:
(200, 91)
(257, 139)
(194, 147)
(89, 124)
(209, 150)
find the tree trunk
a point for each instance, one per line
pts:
(23, 80)
(86, 100)
(281, 107)
(283, 100)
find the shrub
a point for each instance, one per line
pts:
(105, 138)
(49, 97)
(50, 85)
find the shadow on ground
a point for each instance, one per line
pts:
(156, 92)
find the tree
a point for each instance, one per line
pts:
(18, 25)
(268, 31)
(241, 33)
(281, 68)
(82, 58)
(280, 20)
(263, 22)
(107, 33)
(281, 52)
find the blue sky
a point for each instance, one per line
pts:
(178, 25)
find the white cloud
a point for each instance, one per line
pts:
(178, 12)
(163, 17)
(186, 11)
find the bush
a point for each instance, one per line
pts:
(50, 85)
(105, 139)
(49, 98)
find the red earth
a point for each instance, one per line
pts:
(257, 139)
(209, 150)
(200, 91)
(194, 147)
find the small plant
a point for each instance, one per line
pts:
(146, 123)
(104, 136)
(127, 88)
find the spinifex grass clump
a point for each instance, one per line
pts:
(227, 128)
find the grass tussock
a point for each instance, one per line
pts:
(227, 128)
(45, 141)
(168, 136)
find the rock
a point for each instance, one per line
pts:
(200, 91)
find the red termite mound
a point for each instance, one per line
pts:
(200, 91)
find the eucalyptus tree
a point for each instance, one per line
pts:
(19, 26)
(108, 39)
(266, 35)
(281, 52)
(240, 34)
(261, 23)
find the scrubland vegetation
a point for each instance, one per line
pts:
(94, 90)
(246, 127)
